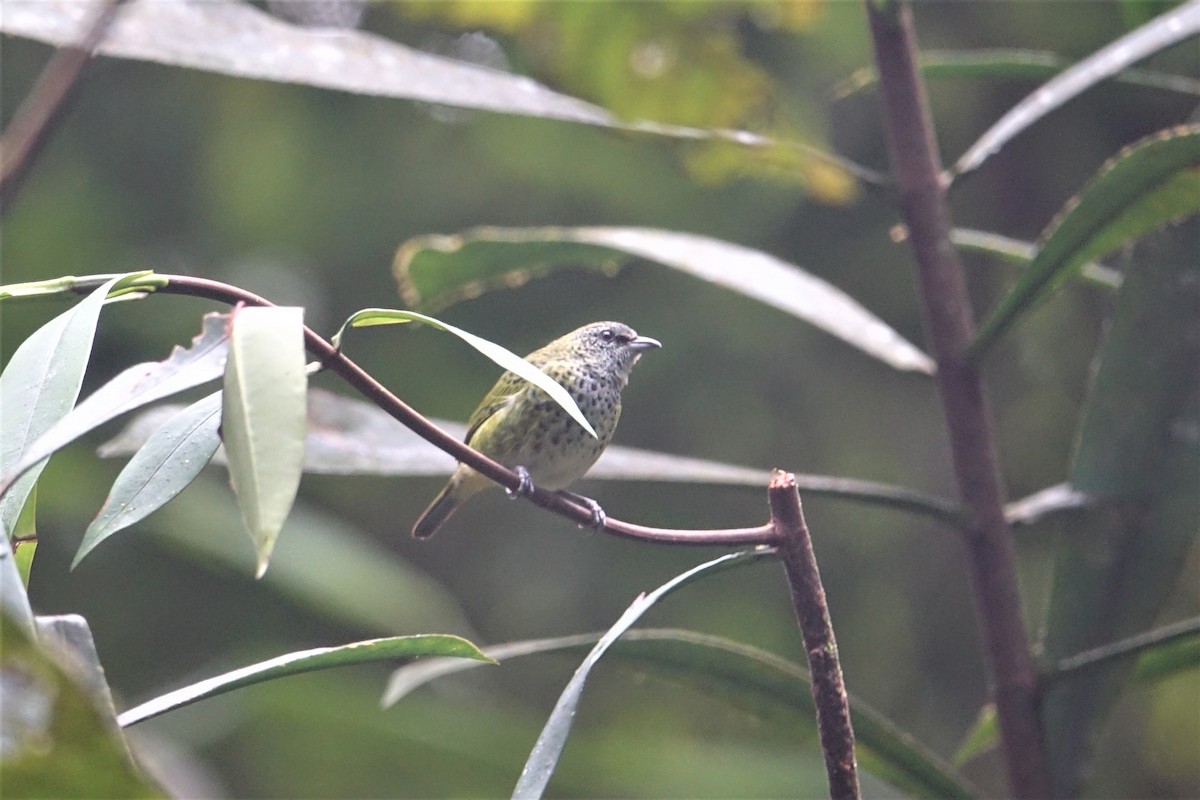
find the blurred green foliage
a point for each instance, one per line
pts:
(303, 195)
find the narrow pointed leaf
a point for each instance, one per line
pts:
(1009, 64)
(1021, 253)
(1172, 27)
(505, 358)
(365, 652)
(347, 436)
(1145, 186)
(435, 271)
(234, 38)
(170, 460)
(14, 599)
(1138, 453)
(39, 386)
(549, 746)
(263, 418)
(138, 385)
(755, 680)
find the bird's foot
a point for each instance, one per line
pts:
(599, 518)
(524, 488)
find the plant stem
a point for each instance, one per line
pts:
(812, 615)
(921, 187)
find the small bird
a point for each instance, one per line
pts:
(521, 427)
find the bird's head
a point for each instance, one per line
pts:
(612, 346)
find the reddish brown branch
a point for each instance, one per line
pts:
(812, 614)
(950, 327)
(337, 362)
(34, 121)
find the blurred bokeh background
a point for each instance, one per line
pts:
(303, 195)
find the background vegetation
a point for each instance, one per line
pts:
(303, 195)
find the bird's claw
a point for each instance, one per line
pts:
(599, 518)
(524, 487)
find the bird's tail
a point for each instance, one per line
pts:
(448, 500)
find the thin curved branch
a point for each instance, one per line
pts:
(337, 362)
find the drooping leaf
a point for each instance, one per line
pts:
(1011, 64)
(1137, 452)
(170, 460)
(234, 38)
(39, 386)
(1145, 186)
(760, 682)
(435, 271)
(347, 436)
(135, 387)
(505, 358)
(1171, 27)
(366, 652)
(263, 417)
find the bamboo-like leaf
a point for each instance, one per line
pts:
(365, 652)
(135, 387)
(1138, 453)
(347, 436)
(1172, 27)
(1011, 64)
(505, 358)
(39, 386)
(171, 459)
(234, 38)
(1145, 186)
(766, 685)
(435, 271)
(1021, 253)
(546, 751)
(263, 418)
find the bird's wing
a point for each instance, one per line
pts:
(502, 395)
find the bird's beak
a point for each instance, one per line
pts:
(641, 343)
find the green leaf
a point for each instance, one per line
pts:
(755, 680)
(135, 387)
(1020, 253)
(263, 418)
(347, 436)
(38, 387)
(981, 738)
(1145, 186)
(138, 283)
(170, 460)
(435, 271)
(57, 741)
(365, 652)
(1010, 64)
(1138, 451)
(1168, 29)
(505, 358)
(14, 599)
(24, 539)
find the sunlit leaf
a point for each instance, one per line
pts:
(1145, 186)
(1172, 27)
(760, 682)
(505, 358)
(170, 460)
(234, 38)
(135, 387)
(263, 417)
(39, 386)
(366, 652)
(435, 271)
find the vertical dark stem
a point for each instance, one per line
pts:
(812, 614)
(950, 327)
(33, 122)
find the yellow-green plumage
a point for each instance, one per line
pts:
(519, 425)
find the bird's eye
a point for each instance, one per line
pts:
(607, 335)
